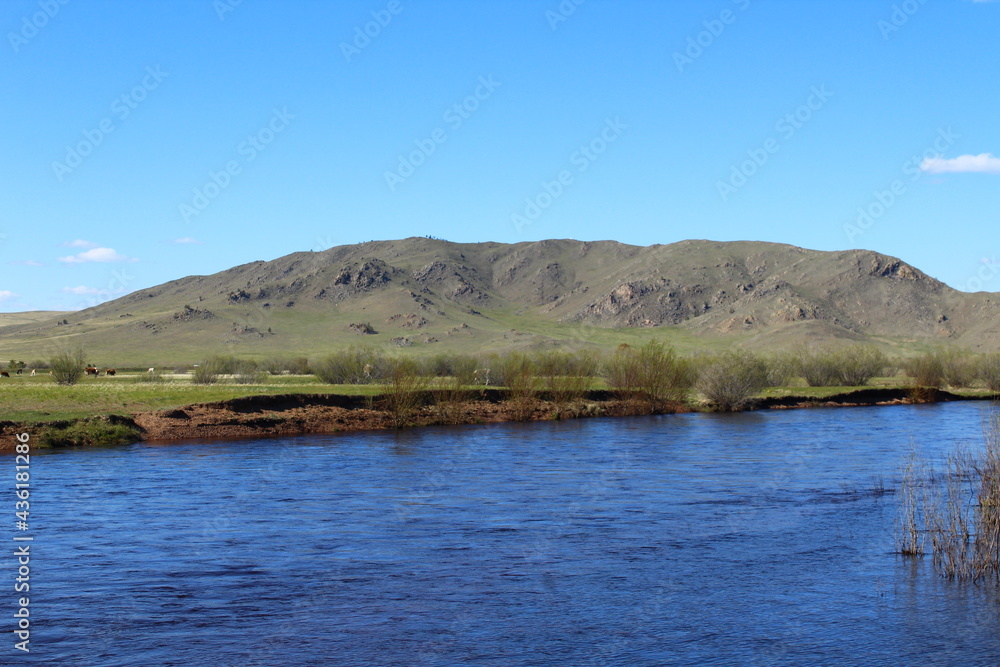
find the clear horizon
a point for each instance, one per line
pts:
(148, 142)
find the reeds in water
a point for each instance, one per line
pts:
(959, 511)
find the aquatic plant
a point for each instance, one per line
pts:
(960, 512)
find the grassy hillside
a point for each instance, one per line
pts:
(424, 296)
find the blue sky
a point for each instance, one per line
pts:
(147, 141)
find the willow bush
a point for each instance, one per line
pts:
(730, 380)
(355, 365)
(68, 366)
(653, 374)
(404, 390)
(566, 375)
(988, 370)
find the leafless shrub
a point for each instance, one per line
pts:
(927, 370)
(300, 366)
(68, 366)
(958, 368)
(622, 372)
(818, 368)
(859, 364)
(453, 387)
(223, 364)
(156, 377)
(245, 371)
(566, 376)
(516, 372)
(781, 368)
(852, 366)
(403, 391)
(653, 374)
(355, 365)
(207, 372)
(731, 379)
(276, 365)
(988, 370)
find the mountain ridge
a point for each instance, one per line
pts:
(420, 292)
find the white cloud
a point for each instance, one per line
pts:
(984, 163)
(6, 294)
(79, 243)
(187, 240)
(96, 255)
(25, 262)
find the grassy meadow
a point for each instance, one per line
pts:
(27, 399)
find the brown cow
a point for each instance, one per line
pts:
(4, 374)
(91, 370)
(109, 371)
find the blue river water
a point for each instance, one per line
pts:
(699, 539)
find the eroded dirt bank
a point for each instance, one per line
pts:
(265, 416)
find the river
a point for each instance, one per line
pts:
(702, 539)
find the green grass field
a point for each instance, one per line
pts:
(39, 399)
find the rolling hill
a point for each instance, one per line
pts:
(432, 296)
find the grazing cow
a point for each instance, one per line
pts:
(92, 370)
(109, 371)
(4, 374)
(32, 372)
(18, 371)
(150, 370)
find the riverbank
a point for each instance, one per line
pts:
(263, 416)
